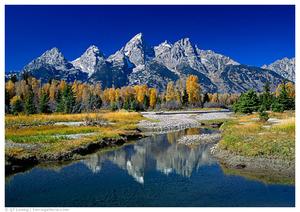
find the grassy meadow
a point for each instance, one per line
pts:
(38, 135)
(248, 136)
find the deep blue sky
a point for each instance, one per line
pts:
(252, 35)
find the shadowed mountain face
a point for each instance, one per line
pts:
(138, 63)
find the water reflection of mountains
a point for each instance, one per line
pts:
(159, 152)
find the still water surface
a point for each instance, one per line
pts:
(153, 171)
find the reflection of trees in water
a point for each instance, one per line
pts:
(162, 149)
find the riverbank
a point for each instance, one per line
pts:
(262, 147)
(30, 140)
(246, 144)
(34, 139)
(178, 120)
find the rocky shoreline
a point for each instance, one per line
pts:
(178, 121)
(199, 139)
(273, 166)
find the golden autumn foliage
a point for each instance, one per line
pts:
(141, 91)
(193, 89)
(170, 94)
(15, 99)
(89, 97)
(290, 88)
(10, 87)
(112, 95)
(153, 96)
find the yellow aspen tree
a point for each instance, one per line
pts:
(153, 97)
(46, 88)
(290, 87)
(141, 91)
(10, 87)
(193, 89)
(75, 88)
(210, 95)
(62, 85)
(170, 93)
(97, 89)
(178, 95)
(21, 88)
(278, 90)
(105, 96)
(52, 91)
(112, 95)
(35, 85)
(81, 88)
(215, 97)
(117, 95)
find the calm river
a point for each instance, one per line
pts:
(153, 171)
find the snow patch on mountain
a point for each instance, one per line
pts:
(88, 61)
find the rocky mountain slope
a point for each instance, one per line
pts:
(138, 63)
(53, 65)
(284, 67)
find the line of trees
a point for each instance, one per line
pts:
(282, 99)
(30, 96)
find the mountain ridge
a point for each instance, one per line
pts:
(138, 63)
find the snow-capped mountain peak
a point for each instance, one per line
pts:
(53, 57)
(137, 50)
(137, 63)
(89, 60)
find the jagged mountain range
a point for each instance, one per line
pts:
(284, 67)
(138, 63)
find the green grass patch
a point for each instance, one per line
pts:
(37, 139)
(248, 137)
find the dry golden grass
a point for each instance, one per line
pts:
(37, 119)
(250, 137)
(49, 130)
(285, 126)
(40, 129)
(123, 116)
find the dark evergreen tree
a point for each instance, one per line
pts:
(205, 98)
(7, 106)
(277, 107)
(266, 98)
(146, 102)
(126, 105)
(16, 106)
(247, 103)
(185, 98)
(59, 102)
(287, 102)
(263, 115)
(14, 78)
(113, 106)
(29, 107)
(25, 75)
(133, 105)
(283, 101)
(68, 99)
(44, 103)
